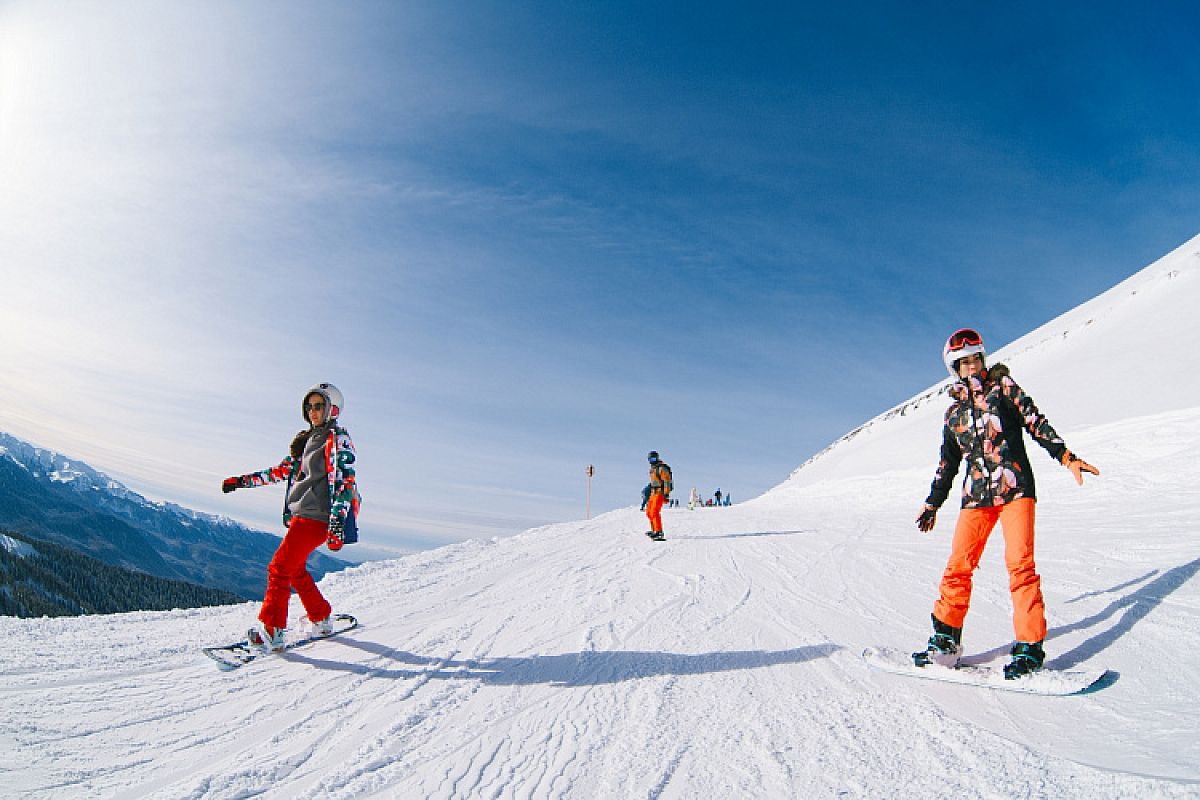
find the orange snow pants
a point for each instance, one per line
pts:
(970, 537)
(287, 572)
(654, 511)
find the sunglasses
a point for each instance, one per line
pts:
(314, 406)
(965, 338)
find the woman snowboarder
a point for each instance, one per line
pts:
(321, 508)
(984, 426)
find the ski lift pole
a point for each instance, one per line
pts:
(590, 472)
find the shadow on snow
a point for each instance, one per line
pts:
(1133, 608)
(747, 535)
(589, 668)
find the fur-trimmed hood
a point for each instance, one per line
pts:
(991, 376)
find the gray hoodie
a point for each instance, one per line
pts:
(309, 497)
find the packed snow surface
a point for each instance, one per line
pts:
(582, 660)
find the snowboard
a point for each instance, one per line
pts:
(232, 656)
(989, 676)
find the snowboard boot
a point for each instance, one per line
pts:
(1028, 657)
(323, 627)
(944, 647)
(266, 639)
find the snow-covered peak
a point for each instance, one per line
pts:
(16, 546)
(49, 465)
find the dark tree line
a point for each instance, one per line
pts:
(60, 582)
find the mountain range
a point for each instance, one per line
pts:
(48, 496)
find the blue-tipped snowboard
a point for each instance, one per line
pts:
(1044, 681)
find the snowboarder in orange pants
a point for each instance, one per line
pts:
(970, 537)
(660, 492)
(984, 426)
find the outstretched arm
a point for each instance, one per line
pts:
(1043, 433)
(275, 474)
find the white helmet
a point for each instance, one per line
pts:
(962, 343)
(334, 402)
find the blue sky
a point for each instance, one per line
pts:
(526, 237)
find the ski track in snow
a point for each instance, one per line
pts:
(583, 661)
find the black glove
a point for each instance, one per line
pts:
(337, 534)
(927, 519)
(229, 484)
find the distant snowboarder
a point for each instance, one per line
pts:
(984, 426)
(321, 507)
(660, 492)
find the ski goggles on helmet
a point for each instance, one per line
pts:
(962, 343)
(964, 337)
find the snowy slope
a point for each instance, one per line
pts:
(1130, 351)
(581, 660)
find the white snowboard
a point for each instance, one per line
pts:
(989, 676)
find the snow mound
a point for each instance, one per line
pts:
(1130, 351)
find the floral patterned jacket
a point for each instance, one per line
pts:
(344, 498)
(984, 426)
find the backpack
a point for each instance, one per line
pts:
(664, 481)
(350, 535)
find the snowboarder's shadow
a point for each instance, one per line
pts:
(588, 668)
(1135, 606)
(750, 535)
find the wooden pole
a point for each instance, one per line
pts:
(590, 472)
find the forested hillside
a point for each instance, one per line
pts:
(44, 579)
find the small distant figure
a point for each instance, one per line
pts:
(660, 493)
(693, 499)
(728, 499)
(717, 496)
(645, 496)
